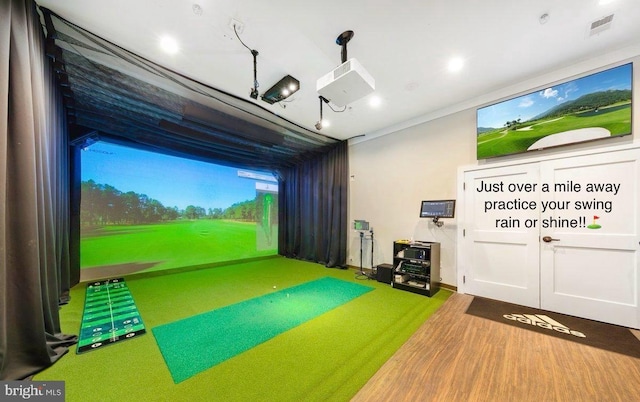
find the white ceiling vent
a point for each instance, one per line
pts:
(600, 25)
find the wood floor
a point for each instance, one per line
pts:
(458, 357)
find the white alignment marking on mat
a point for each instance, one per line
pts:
(113, 328)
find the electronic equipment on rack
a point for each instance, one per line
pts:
(416, 253)
(414, 267)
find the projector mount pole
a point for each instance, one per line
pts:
(255, 73)
(254, 91)
(319, 123)
(342, 40)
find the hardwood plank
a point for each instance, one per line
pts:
(459, 357)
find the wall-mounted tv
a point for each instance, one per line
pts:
(593, 107)
(437, 208)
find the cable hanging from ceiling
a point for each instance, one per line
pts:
(279, 91)
(254, 91)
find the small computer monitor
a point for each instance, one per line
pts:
(438, 209)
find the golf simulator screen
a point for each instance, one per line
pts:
(144, 211)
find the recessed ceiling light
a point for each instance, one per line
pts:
(456, 64)
(375, 101)
(169, 44)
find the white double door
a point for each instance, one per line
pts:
(561, 235)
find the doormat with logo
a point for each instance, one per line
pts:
(592, 333)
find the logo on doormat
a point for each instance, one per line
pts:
(543, 321)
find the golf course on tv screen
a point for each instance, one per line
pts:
(144, 211)
(593, 107)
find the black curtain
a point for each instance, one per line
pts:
(34, 198)
(313, 208)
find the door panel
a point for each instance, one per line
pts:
(502, 253)
(593, 270)
(589, 281)
(505, 270)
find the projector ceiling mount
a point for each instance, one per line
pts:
(254, 91)
(342, 40)
(349, 81)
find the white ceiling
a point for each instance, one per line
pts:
(404, 44)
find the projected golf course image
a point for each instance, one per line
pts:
(589, 108)
(219, 213)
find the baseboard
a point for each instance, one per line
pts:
(449, 287)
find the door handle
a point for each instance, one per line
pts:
(549, 239)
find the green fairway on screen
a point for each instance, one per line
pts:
(144, 211)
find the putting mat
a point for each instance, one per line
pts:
(197, 343)
(110, 315)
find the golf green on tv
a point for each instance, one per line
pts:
(145, 211)
(593, 107)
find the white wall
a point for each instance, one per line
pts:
(392, 173)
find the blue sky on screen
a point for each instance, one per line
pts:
(526, 107)
(171, 180)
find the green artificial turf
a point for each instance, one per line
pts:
(197, 343)
(327, 358)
